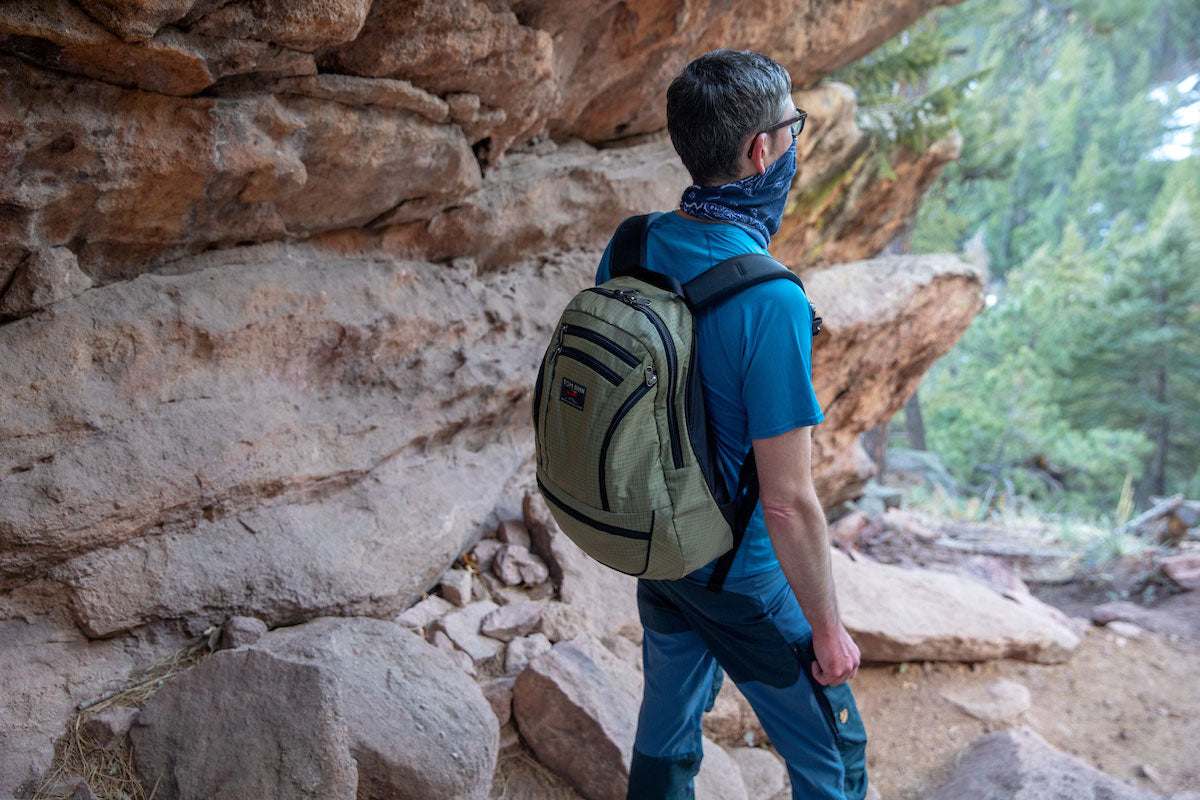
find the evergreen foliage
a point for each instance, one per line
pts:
(1086, 368)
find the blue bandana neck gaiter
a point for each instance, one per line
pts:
(754, 204)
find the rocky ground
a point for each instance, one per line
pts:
(534, 667)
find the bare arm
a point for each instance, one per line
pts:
(796, 525)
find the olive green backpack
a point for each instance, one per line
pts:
(625, 458)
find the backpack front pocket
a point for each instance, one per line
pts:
(619, 541)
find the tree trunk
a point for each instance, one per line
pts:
(914, 422)
(875, 441)
(1158, 476)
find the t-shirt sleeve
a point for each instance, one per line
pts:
(777, 388)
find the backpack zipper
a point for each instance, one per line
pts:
(595, 523)
(602, 341)
(629, 297)
(626, 407)
(596, 365)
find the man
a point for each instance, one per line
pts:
(775, 628)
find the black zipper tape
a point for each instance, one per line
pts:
(638, 394)
(595, 523)
(589, 361)
(672, 367)
(600, 340)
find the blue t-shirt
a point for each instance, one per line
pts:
(754, 354)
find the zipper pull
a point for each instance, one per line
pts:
(651, 376)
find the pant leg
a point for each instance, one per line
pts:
(817, 729)
(757, 632)
(679, 685)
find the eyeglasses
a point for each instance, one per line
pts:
(796, 123)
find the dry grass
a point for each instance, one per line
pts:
(109, 770)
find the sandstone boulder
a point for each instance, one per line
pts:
(902, 614)
(1017, 764)
(58, 35)
(763, 772)
(277, 732)
(332, 708)
(165, 172)
(576, 707)
(720, 777)
(282, 446)
(863, 371)
(596, 600)
(479, 47)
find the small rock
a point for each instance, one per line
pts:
(1126, 629)
(462, 627)
(513, 532)
(455, 586)
(442, 642)
(492, 583)
(997, 701)
(1117, 610)
(241, 631)
(1183, 570)
(510, 740)
(523, 650)
(847, 531)
(110, 725)
(485, 553)
(515, 565)
(464, 662)
(499, 693)
(543, 531)
(425, 612)
(512, 620)
(83, 792)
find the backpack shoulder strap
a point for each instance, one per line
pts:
(628, 258)
(732, 276)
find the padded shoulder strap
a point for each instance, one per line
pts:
(734, 275)
(628, 251)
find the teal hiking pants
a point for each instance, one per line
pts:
(755, 632)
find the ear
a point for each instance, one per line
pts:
(758, 153)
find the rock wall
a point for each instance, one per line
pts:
(275, 277)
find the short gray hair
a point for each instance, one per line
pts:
(716, 103)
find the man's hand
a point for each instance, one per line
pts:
(837, 657)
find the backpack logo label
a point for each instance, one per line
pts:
(572, 394)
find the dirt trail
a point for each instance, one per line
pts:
(1118, 704)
